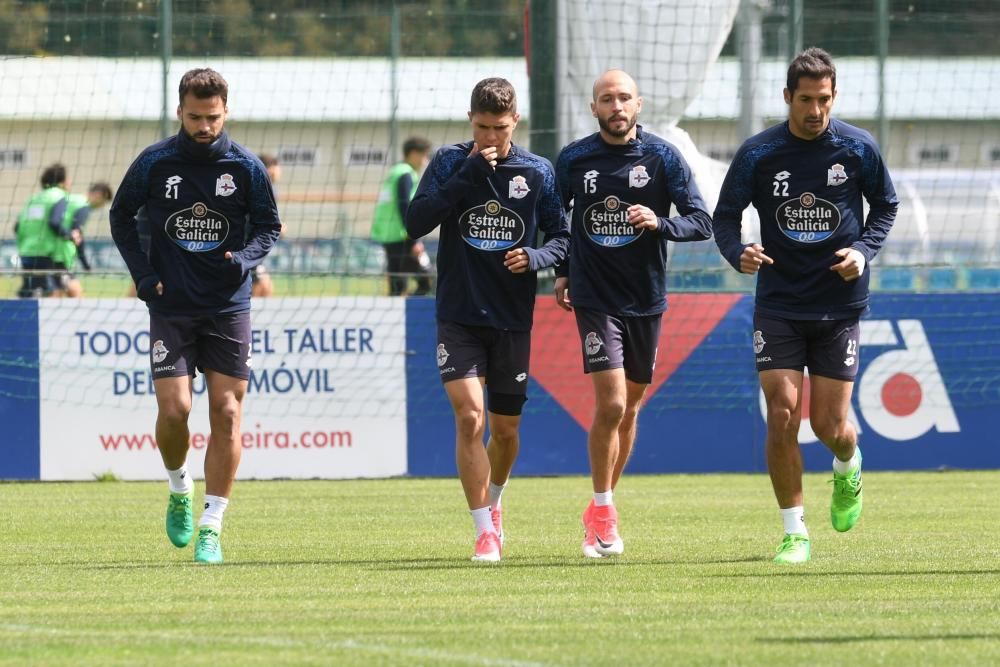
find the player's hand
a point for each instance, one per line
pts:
(489, 153)
(516, 260)
(562, 293)
(641, 217)
(852, 265)
(76, 236)
(417, 249)
(149, 288)
(753, 258)
(232, 269)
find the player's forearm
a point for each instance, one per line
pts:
(551, 253)
(262, 239)
(425, 213)
(726, 230)
(436, 203)
(695, 226)
(135, 259)
(877, 227)
(126, 237)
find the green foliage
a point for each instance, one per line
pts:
(122, 28)
(378, 572)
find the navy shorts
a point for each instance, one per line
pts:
(38, 284)
(610, 341)
(829, 348)
(179, 344)
(500, 356)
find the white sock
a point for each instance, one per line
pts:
(794, 519)
(603, 498)
(484, 522)
(180, 480)
(215, 507)
(496, 490)
(844, 467)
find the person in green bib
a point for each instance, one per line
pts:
(69, 247)
(403, 254)
(38, 228)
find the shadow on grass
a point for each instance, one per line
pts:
(844, 573)
(968, 636)
(430, 563)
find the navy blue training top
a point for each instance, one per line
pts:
(808, 194)
(201, 201)
(483, 213)
(614, 268)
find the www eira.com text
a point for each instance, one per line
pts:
(249, 439)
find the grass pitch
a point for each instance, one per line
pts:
(378, 573)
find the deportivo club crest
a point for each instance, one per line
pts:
(836, 175)
(637, 176)
(159, 351)
(518, 188)
(592, 343)
(442, 355)
(224, 185)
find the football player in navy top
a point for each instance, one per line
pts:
(620, 183)
(491, 198)
(807, 177)
(212, 219)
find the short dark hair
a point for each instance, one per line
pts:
(267, 159)
(54, 174)
(203, 83)
(103, 188)
(493, 95)
(813, 63)
(416, 145)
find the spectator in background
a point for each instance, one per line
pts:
(262, 284)
(403, 254)
(38, 228)
(69, 245)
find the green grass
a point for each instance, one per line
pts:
(117, 285)
(378, 572)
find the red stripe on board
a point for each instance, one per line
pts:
(557, 361)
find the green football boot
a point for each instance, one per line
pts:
(207, 548)
(793, 549)
(845, 506)
(180, 519)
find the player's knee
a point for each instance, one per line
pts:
(469, 422)
(226, 412)
(831, 430)
(782, 419)
(174, 413)
(610, 411)
(631, 413)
